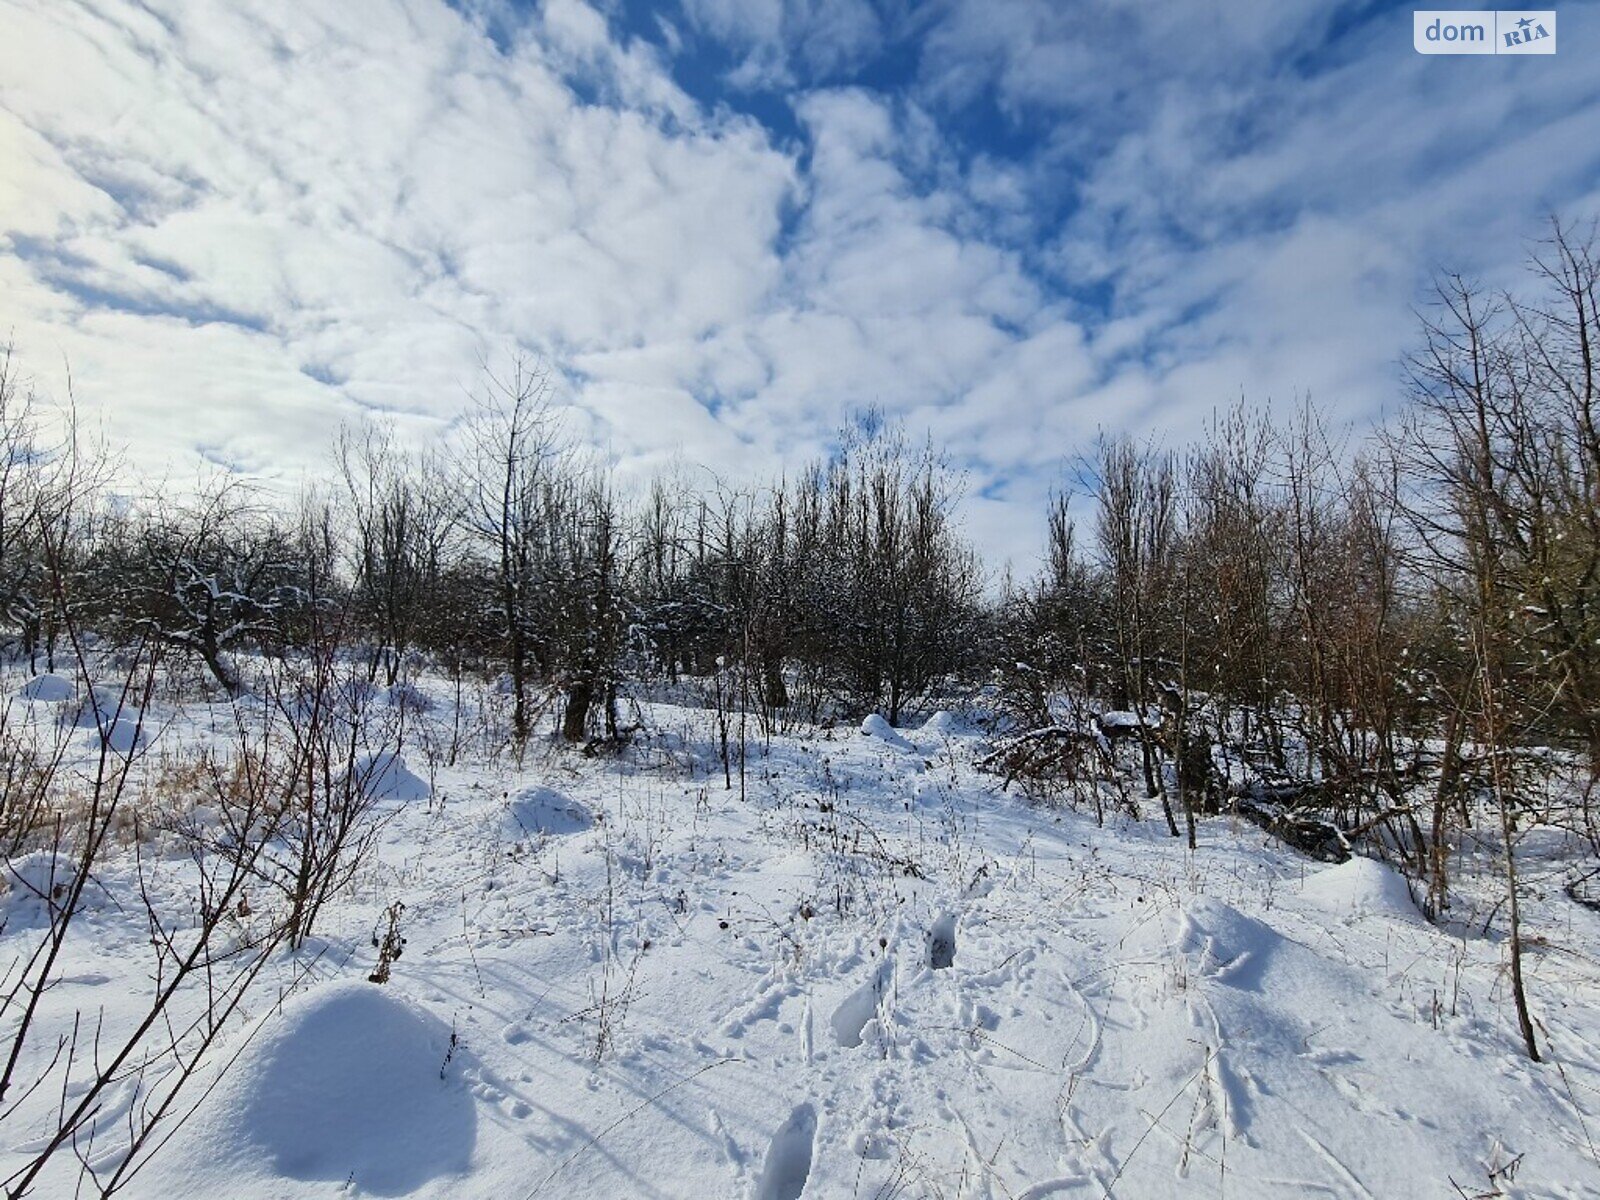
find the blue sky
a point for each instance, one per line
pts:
(728, 224)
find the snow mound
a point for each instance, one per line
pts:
(408, 697)
(106, 711)
(47, 689)
(33, 884)
(1064, 710)
(1362, 887)
(1223, 944)
(98, 707)
(385, 777)
(1118, 722)
(876, 727)
(112, 716)
(542, 810)
(943, 722)
(124, 735)
(350, 1083)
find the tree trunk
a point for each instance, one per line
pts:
(217, 663)
(1439, 853)
(575, 720)
(1519, 994)
(774, 692)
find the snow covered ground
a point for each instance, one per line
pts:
(874, 975)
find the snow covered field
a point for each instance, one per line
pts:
(874, 975)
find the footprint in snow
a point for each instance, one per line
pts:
(942, 943)
(788, 1163)
(858, 1008)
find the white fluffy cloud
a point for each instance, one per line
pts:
(244, 224)
(242, 229)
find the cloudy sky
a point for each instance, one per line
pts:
(727, 224)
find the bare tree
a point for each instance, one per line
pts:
(584, 609)
(512, 451)
(208, 575)
(1136, 533)
(1478, 442)
(404, 514)
(342, 749)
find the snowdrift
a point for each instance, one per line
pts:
(31, 885)
(386, 777)
(945, 722)
(351, 1082)
(106, 713)
(876, 727)
(1362, 887)
(543, 811)
(47, 689)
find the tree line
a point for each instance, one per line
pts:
(847, 589)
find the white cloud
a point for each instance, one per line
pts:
(780, 39)
(380, 200)
(243, 224)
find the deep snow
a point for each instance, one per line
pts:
(874, 976)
